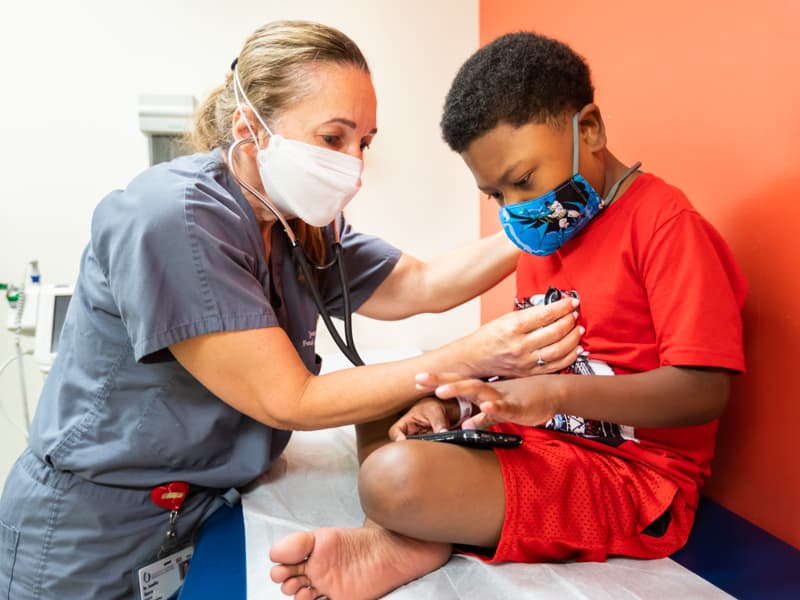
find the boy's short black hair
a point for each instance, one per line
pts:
(517, 78)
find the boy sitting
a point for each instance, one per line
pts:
(609, 465)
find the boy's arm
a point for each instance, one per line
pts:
(665, 397)
(429, 415)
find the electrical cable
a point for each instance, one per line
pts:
(18, 345)
(3, 410)
(31, 269)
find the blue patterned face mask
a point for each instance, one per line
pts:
(542, 225)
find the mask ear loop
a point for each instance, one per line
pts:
(575, 144)
(614, 188)
(612, 193)
(239, 89)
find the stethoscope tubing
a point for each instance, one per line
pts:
(346, 346)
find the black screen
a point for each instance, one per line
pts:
(60, 304)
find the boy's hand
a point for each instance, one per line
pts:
(429, 415)
(528, 401)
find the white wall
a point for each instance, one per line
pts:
(69, 130)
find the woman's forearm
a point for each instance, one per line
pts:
(365, 393)
(460, 275)
(415, 287)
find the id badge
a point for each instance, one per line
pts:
(161, 579)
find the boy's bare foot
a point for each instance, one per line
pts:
(351, 564)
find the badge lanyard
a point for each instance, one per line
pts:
(170, 497)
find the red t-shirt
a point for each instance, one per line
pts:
(658, 286)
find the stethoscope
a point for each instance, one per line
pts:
(347, 346)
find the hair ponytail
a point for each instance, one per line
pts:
(206, 134)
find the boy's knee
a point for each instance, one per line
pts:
(390, 482)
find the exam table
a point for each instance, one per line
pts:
(314, 484)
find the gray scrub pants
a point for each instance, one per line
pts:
(63, 537)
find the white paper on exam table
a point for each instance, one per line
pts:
(314, 484)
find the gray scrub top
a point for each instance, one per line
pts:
(175, 255)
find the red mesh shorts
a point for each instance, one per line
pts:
(565, 501)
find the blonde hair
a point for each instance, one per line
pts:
(273, 68)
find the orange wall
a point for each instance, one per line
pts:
(707, 95)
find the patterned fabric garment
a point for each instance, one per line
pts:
(599, 431)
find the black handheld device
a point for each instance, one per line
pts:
(473, 438)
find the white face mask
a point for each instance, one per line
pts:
(305, 181)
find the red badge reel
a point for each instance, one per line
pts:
(170, 496)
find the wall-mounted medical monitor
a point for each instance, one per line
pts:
(53, 303)
(165, 119)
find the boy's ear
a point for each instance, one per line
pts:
(592, 129)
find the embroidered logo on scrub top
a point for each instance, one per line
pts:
(309, 341)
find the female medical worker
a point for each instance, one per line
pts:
(188, 354)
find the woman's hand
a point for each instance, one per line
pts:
(527, 401)
(532, 341)
(429, 415)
